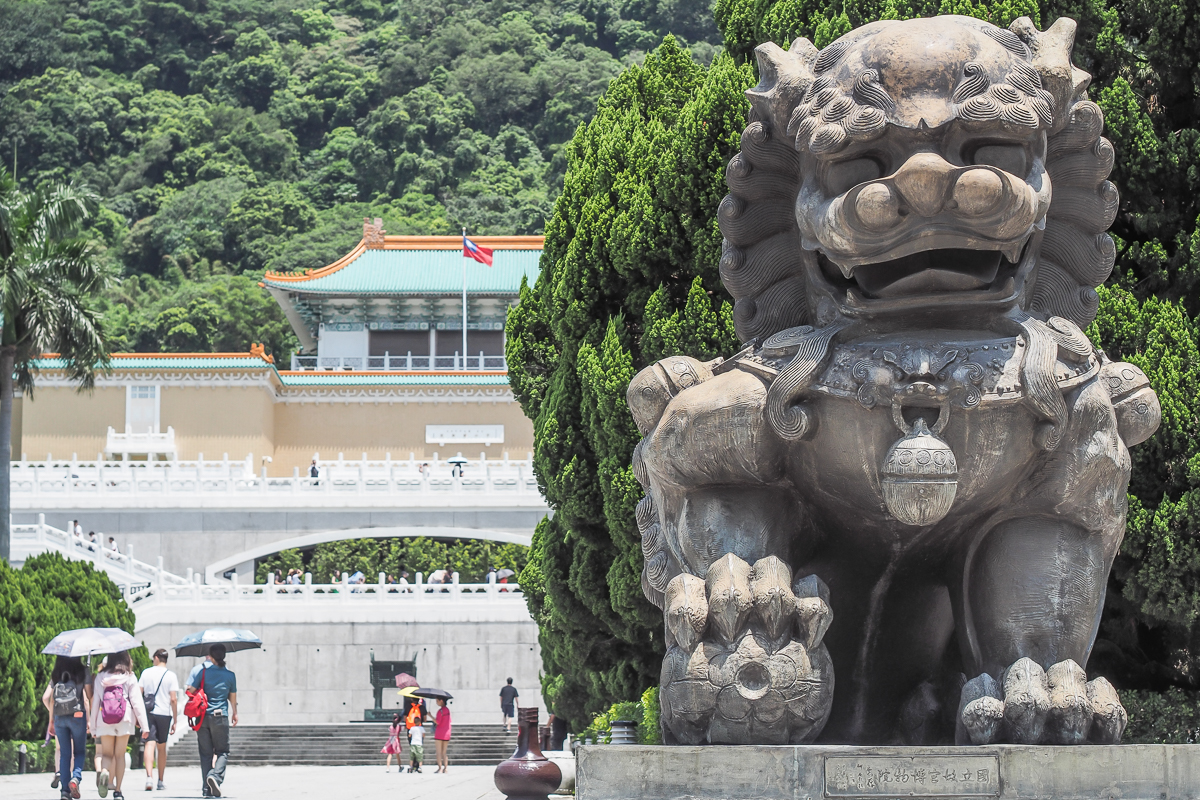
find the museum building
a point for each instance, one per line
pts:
(382, 371)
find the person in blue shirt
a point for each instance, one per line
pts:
(220, 685)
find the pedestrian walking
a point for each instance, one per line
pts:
(66, 700)
(403, 582)
(314, 472)
(508, 704)
(220, 686)
(117, 708)
(160, 688)
(441, 735)
(393, 748)
(416, 747)
(92, 542)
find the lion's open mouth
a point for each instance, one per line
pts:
(929, 272)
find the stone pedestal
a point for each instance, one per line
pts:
(833, 772)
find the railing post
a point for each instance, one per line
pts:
(420, 580)
(270, 590)
(159, 576)
(308, 585)
(455, 590)
(41, 530)
(381, 589)
(129, 561)
(235, 593)
(345, 586)
(491, 589)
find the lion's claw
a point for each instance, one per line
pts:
(1036, 706)
(745, 663)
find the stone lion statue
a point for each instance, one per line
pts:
(914, 474)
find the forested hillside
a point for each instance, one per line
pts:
(232, 136)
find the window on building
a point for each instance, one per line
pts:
(399, 343)
(491, 343)
(141, 409)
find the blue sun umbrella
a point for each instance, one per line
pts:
(84, 642)
(197, 644)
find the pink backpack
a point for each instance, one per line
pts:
(112, 705)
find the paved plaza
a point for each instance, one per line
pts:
(251, 783)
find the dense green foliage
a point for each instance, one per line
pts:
(629, 274)
(231, 136)
(638, 211)
(47, 596)
(1170, 717)
(39, 758)
(645, 712)
(470, 558)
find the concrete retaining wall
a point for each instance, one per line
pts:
(313, 667)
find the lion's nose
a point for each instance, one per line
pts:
(978, 191)
(923, 181)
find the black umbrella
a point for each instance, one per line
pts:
(433, 694)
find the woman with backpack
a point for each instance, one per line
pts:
(117, 707)
(67, 701)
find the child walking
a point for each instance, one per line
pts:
(392, 748)
(416, 747)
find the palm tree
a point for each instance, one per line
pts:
(49, 281)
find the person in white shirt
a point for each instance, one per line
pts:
(160, 686)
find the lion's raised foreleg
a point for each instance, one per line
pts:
(745, 663)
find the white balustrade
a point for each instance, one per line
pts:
(129, 573)
(401, 363)
(189, 483)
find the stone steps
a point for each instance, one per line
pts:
(344, 745)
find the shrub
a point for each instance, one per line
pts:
(1170, 717)
(645, 712)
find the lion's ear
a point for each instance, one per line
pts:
(785, 76)
(1052, 59)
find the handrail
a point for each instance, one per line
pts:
(308, 592)
(123, 567)
(405, 363)
(460, 479)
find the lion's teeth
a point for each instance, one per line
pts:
(1013, 252)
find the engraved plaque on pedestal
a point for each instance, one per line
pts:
(912, 776)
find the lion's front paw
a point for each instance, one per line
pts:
(745, 663)
(1036, 706)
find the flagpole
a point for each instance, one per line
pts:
(464, 343)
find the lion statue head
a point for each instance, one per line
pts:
(914, 168)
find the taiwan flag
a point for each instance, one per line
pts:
(481, 254)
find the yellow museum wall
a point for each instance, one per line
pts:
(241, 420)
(215, 420)
(59, 421)
(302, 429)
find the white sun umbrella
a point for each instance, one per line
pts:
(197, 644)
(84, 642)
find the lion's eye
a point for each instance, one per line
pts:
(845, 175)
(1009, 157)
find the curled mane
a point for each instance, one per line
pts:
(796, 106)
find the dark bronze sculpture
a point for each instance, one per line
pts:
(917, 441)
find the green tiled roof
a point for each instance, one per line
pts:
(390, 379)
(409, 272)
